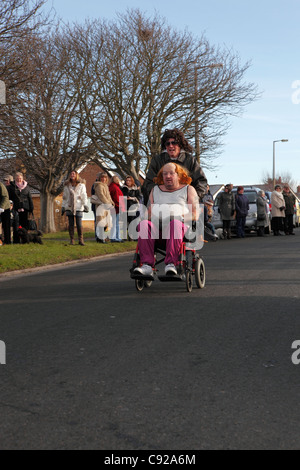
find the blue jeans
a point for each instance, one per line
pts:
(240, 226)
(115, 230)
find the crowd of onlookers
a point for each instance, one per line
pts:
(107, 193)
(110, 198)
(236, 207)
(15, 206)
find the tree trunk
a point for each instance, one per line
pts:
(47, 213)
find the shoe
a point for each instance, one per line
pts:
(170, 269)
(144, 270)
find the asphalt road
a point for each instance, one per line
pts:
(93, 364)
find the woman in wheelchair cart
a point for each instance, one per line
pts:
(173, 205)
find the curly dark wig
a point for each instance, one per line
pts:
(177, 135)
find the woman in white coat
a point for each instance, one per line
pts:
(74, 204)
(278, 210)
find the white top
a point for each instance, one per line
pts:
(168, 204)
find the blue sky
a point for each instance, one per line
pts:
(265, 32)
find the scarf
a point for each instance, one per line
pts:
(21, 185)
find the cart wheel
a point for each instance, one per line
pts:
(189, 281)
(139, 284)
(147, 283)
(200, 273)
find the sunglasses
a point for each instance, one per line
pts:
(171, 142)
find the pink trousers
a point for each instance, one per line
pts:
(149, 234)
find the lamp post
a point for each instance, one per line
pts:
(197, 126)
(274, 141)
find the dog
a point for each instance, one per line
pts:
(29, 237)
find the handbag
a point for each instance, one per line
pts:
(95, 200)
(32, 224)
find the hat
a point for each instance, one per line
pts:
(240, 188)
(8, 178)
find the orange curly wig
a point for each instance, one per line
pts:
(182, 172)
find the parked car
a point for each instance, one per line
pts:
(251, 220)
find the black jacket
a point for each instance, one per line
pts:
(21, 198)
(186, 160)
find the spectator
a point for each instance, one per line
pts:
(19, 193)
(132, 194)
(103, 205)
(262, 213)
(242, 208)
(211, 236)
(278, 210)
(74, 204)
(93, 205)
(8, 179)
(208, 201)
(208, 196)
(118, 199)
(175, 148)
(5, 214)
(290, 202)
(227, 210)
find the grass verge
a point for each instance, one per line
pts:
(55, 250)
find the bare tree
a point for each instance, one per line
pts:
(139, 76)
(42, 123)
(284, 178)
(19, 19)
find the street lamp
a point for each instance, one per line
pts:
(274, 141)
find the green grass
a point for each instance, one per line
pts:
(56, 249)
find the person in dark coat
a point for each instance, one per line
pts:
(290, 202)
(242, 208)
(175, 148)
(132, 195)
(227, 209)
(20, 195)
(5, 214)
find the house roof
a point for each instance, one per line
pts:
(215, 189)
